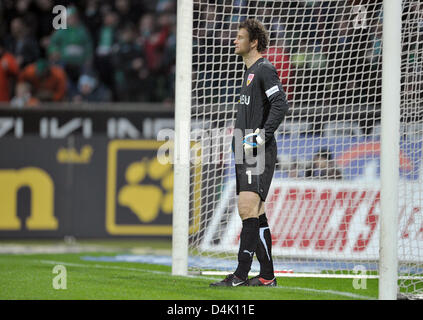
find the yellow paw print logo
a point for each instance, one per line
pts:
(147, 200)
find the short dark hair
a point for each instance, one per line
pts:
(256, 31)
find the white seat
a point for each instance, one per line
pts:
(294, 128)
(414, 131)
(342, 129)
(377, 131)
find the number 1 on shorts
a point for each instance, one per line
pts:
(248, 172)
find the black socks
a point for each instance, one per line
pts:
(255, 238)
(248, 242)
(264, 249)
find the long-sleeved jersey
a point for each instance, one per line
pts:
(263, 102)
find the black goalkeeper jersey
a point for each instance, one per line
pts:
(262, 102)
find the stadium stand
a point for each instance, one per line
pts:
(117, 50)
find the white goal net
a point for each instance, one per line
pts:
(323, 206)
(410, 250)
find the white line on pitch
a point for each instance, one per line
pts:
(98, 266)
(333, 292)
(70, 264)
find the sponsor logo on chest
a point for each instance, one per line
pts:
(244, 99)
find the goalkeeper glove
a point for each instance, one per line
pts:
(253, 141)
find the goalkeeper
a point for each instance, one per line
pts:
(261, 109)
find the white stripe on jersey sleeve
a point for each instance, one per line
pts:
(271, 91)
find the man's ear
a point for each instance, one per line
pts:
(254, 43)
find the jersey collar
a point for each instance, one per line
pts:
(258, 60)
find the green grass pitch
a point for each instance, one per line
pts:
(30, 276)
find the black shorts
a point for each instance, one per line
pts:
(252, 177)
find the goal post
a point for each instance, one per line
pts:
(181, 151)
(346, 196)
(389, 157)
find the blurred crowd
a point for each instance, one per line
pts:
(110, 50)
(335, 52)
(327, 52)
